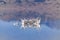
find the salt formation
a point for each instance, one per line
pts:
(35, 23)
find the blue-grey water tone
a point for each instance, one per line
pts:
(10, 32)
(39, 0)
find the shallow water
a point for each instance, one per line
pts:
(10, 32)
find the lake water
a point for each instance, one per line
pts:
(10, 32)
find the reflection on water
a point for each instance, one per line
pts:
(10, 32)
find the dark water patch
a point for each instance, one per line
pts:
(39, 0)
(2, 2)
(18, 1)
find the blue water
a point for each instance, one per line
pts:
(11, 32)
(40, 0)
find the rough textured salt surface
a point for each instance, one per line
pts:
(48, 10)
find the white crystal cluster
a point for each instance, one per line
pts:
(28, 23)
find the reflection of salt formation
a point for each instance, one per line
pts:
(31, 23)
